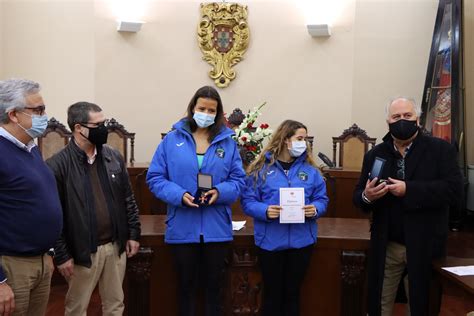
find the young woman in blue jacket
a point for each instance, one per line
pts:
(284, 250)
(199, 234)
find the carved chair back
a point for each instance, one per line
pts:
(55, 138)
(352, 144)
(122, 140)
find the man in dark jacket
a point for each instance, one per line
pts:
(100, 213)
(409, 201)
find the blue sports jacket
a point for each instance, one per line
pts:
(173, 172)
(257, 196)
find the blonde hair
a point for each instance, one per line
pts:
(276, 146)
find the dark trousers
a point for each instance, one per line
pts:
(208, 261)
(283, 273)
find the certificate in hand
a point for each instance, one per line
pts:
(291, 202)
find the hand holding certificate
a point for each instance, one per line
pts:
(292, 202)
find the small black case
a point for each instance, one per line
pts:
(204, 184)
(377, 169)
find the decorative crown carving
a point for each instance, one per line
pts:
(55, 124)
(113, 124)
(354, 130)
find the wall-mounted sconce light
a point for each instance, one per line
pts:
(319, 30)
(129, 26)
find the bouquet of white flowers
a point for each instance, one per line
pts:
(249, 138)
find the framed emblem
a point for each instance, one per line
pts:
(223, 37)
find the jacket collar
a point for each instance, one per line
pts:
(388, 139)
(414, 155)
(183, 127)
(102, 152)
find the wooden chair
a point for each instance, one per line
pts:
(353, 144)
(55, 138)
(120, 139)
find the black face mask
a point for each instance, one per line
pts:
(403, 129)
(98, 135)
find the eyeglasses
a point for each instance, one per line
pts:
(39, 110)
(95, 125)
(401, 169)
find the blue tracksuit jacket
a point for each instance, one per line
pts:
(173, 171)
(256, 197)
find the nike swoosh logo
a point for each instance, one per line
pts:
(270, 172)
(180, 144)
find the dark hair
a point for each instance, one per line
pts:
(79, 113)
(207, 92)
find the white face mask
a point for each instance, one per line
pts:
(203, 120)
(39, 123)
(297, 148)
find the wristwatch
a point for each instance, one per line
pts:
(365, 199)
(51, 252)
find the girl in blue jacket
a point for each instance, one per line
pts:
(198, 233)
(284, 250)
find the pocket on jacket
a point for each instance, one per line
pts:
(178, 224)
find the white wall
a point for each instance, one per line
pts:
(392, 46)
(379, 48)
(51, 42)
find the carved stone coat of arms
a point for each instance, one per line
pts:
(223, 36)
